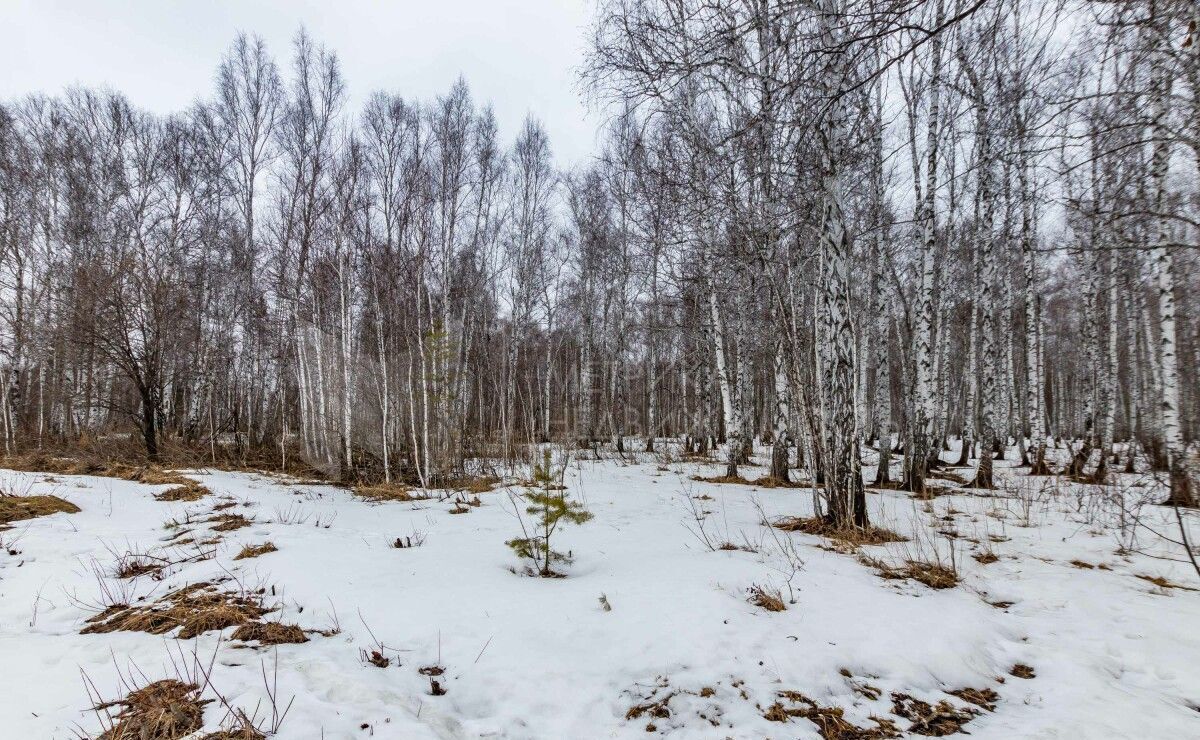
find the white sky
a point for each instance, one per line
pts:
(522, 55)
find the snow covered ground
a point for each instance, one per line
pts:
(1114, 655)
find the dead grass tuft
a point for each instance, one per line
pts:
(769, 481)
(986, 558)
(15, 508)
(1162, 582)
(187, 490)
(163, 710)
(270, 633)
(193, 609)
(245, 731)
(985, 698)
(931, 720)
(655, 708)
(737, 479)
(228, 522)
(1020, 670)
(388, 492)
(253, 551)
(474, 484)
(824, 528)
(830, 722)
(933, 575)
(771, 600)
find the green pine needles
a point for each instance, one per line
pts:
(549, 506)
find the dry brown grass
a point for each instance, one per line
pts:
(163, 710)
(270, 633)
(474, 484)
(253, 551)
(245, 731)
(1020, 670)
(769, 481)
(193, 609)
(986, 558)
(15, 508)
(985, 698)
(1162, 582)
(388, 492)
(854, 536)
(771, 600)
(187, 490)
(830, 722)
(735, 479)
(933, 575)
(932, 720)
(228, 522)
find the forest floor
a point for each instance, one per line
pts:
(1056, 622)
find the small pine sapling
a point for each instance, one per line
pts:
(549, 505)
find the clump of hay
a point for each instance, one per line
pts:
(164, 710)
(194, 609)
(764, 598)
(253, 551)
(824, 527)
(14, 508)
(270, 633)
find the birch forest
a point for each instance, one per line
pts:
(849, 388)
(831, 227)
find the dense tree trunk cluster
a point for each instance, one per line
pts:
(831, 227)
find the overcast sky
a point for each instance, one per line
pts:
(521, 55)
